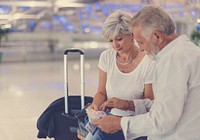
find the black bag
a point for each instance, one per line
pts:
(54, 123)
(59, 120)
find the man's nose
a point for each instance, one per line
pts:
(141, 48)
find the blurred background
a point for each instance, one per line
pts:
(42, 29)
(33, 37)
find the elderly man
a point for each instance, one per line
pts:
(175, 113)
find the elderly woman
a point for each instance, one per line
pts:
(125, 73)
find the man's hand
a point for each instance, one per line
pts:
(109, 124)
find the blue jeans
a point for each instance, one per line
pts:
(100, 135)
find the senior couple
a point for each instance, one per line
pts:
(149, 80)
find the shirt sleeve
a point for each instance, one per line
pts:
(103, 60)
(142, 105)
(170, 92)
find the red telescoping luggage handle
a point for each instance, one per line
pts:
(82, 75)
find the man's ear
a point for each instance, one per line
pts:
(158, 37)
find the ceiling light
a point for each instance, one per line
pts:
(198, 20)
(6, 26)
(61, 4)
(26, 3)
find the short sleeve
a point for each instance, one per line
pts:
(103, 61)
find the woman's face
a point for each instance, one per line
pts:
(122, 42)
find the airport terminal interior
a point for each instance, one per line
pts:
(33, 37)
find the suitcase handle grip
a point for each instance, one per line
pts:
(72, 50)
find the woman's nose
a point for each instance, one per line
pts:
(115, 44)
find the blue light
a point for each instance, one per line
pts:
(47, 25)
(69, 27)
(24, 9)
(96, 29)
(83, 26)
(181, 14)
(60, 19)
(176, 6)
(32, 25)
(103, 8)
(5, 9)
(134, 8)
(193, 13)
(88, 10)
(198, 27)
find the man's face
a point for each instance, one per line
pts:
(154, 50)
(145, 44)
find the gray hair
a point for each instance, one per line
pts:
(153, 18)
(117, 22)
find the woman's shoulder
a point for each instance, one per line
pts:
(146, 58)
(147, 61)
(108, 52)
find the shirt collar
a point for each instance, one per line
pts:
(167, 48)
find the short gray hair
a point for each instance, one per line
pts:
(117, 22)
(153, 18)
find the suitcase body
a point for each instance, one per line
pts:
(59, 120)
(66, 124)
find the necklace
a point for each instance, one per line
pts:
(128, 62)
(124, 63)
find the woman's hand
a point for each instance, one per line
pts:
(94, 106)
(114, 103)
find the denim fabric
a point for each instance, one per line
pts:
(100, 135)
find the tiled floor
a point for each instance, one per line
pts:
(27, 88)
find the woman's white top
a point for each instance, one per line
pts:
(127, 86)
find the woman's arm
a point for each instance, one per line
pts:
(148, 92)
(142, 106)
(130, 104)
(101, 95)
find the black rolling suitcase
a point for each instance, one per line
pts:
(59, 120)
